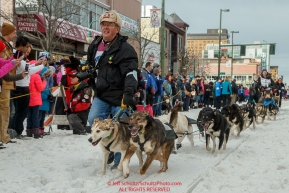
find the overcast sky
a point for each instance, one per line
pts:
(256, 20)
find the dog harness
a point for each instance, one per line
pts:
(108, 146)
(141, 145)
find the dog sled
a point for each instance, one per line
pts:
(54, 119)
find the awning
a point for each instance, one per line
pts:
(65, 29)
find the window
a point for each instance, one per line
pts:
(84, 17)
(180, 44)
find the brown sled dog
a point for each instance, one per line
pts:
(111, 136)
(148, 135)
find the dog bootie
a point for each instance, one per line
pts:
(110, 158)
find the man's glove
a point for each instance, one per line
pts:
(128, 100)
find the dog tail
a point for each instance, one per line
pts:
(174, 113)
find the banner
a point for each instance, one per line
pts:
(155, 17)
(228, 63)
(224, 55)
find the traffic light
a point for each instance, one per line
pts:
(243, 50)
(272, 49)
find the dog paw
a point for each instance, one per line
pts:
(179, 146)
(125, 175)
(141, 171)
(208, 149)
(119, 167)
(162, 170)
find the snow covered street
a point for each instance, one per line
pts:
(255, 162)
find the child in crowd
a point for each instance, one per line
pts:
(36, 85)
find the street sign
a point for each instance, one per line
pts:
(222, 73)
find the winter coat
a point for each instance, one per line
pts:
(234, 87)
(241, 92)
(78, 97)
(117, 68)
(8, 81)
(151, 81)
(159, 82)
(218, 89)
(280, 88)
(36, 86)
(226, 87)
(6, 66)
(265, 82)
(44, 95)
(167, 88)
(45, 102)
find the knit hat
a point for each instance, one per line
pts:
(264, 70)
(2, 46)
(111, 16)
(43, 55)
(7, 29)
(156, 70)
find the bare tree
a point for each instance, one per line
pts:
(54, 22)
(148, 40)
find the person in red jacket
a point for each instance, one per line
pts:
(36, 86)
(78, 100)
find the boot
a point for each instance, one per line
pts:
(36, 133)
(29, 132)
(41, 131)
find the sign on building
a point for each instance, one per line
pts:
(155, 18)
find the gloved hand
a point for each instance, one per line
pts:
(128, 99)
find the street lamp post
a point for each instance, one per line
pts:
(219, 59)
(232, 52)
(89, 37)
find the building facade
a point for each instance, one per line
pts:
(242, 68)
(174, 40)
(74, 21)
(196, 43)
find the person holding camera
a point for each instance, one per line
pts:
(112, 64)
(7, 82)
(22, 86)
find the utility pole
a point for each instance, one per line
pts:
(163, 39)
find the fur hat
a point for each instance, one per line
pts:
(64, 61)
(111, 16)
(73, 65)
(7, 29)
(2, 46)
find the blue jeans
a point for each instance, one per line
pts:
(101, 109)
(32, 117)
(157, 105)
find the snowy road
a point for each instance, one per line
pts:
(257, 161)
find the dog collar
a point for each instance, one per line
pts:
(140, 132)
(108, 137)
